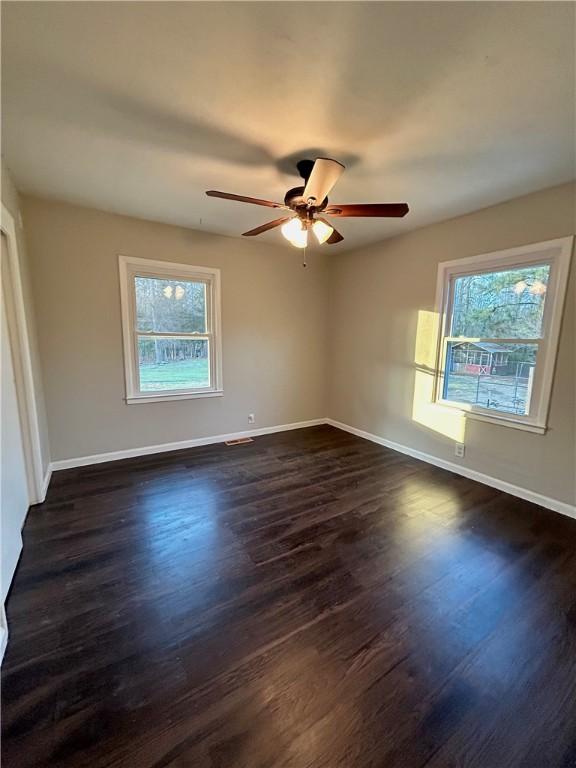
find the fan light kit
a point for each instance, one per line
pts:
(307, 202)
(296, 231)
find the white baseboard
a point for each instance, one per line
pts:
(472, 474)
(3, 633)
(99, 458)
(501, 485)
(45, 484)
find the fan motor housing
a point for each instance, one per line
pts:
(294, 199)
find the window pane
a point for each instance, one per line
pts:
(508, 304)
(170, 306)
(494, 376)
(167, 364)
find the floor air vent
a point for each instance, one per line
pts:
(239, 441)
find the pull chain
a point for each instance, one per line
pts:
(304, 263)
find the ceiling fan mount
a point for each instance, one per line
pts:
(305, 168)
(319, 176)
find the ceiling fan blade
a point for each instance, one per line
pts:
(266, 227)
(369, 209)
(335, 237)
(325, 174)
(243, 199)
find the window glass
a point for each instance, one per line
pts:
(503, 304)
(494, 376)
(170, 306)
(173, 364)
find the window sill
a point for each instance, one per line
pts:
(500, 420)
(180, 396)
(504, 422)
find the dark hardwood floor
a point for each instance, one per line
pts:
(310, 600)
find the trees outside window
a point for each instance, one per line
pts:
(500, 319)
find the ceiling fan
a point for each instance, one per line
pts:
(307, 202)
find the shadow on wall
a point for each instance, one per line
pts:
(449, 422)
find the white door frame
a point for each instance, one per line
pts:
(25, 390)
(23, 370)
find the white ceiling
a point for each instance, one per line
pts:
(139, 107)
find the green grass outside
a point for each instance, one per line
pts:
(185, 374)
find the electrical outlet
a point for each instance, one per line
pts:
(459, 450)
(251, 418)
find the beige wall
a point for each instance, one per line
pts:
(381, 300)
(11, 200)
(345, 338)
(274, 330)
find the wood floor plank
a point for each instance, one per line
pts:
(306, 600)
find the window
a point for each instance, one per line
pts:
(500, 317)
(171, 328)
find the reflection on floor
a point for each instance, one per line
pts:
(308, 600)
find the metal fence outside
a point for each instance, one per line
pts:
(505, 390)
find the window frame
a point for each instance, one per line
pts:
(131, 267)
(557, 253)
